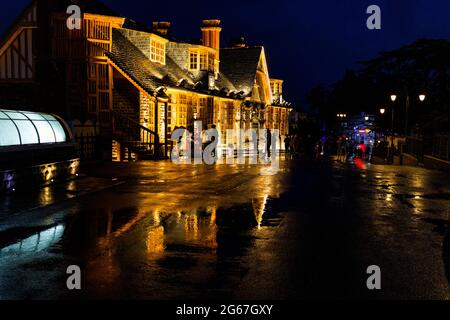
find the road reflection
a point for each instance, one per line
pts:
(39, 241)
(112, 245)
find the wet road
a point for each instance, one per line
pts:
(161, 231)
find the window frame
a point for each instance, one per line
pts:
(157, 51)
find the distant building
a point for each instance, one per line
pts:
(133, 84)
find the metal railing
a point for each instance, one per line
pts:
(88, 146)
(414, 146)
(133, 135)
(441, 147)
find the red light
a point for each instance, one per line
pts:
(360, 164)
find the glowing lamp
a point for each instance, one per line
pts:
(393, 98)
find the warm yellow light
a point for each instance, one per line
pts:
(393, 97)
(422, 97)
(382, 111)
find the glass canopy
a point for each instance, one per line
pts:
(24, 128)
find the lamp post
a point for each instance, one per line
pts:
(382, 112)
(393, 99)
(422, 98)
(383, 124)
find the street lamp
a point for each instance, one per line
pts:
(422, 98)
(391, 149)
(382, 111)
(366, 118)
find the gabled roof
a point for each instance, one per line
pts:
(21, 20)
(239, 65)
(147, 74)
(151, 76)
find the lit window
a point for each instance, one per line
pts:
(193, 60)
(211, 58)
(203, 61)
(157, 51)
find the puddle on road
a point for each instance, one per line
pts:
(37, 242)
(205, 247)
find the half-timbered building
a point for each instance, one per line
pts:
(134, 84)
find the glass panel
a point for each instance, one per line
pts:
(45, 131)
(27, 132)
(9, 136)
(48, 117)
(16, 115)
(59, 131)
(3, 116)
(34, 116)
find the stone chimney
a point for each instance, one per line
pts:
(162, 28)
(211, 35)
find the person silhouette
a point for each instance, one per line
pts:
(269, 142)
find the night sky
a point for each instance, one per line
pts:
(307, 42)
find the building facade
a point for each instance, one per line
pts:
(135, 85)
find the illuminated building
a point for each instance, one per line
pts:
(135, 84)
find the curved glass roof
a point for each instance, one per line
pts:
(25, 128)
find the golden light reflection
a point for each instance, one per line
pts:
(211, 230)
(389, 197)
(200, 227)
(47, 195)
(213, 216)
(259, 206)
(191, 227)
(155, 240)
(156, 217)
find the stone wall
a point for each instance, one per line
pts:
(140, 39)
(179, 53)
(126, 99)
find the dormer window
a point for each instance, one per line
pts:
(157, 51)
(193, 60)
(201, 60)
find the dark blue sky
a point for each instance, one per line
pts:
(307, 42)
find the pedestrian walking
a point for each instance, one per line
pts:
(269, 143)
